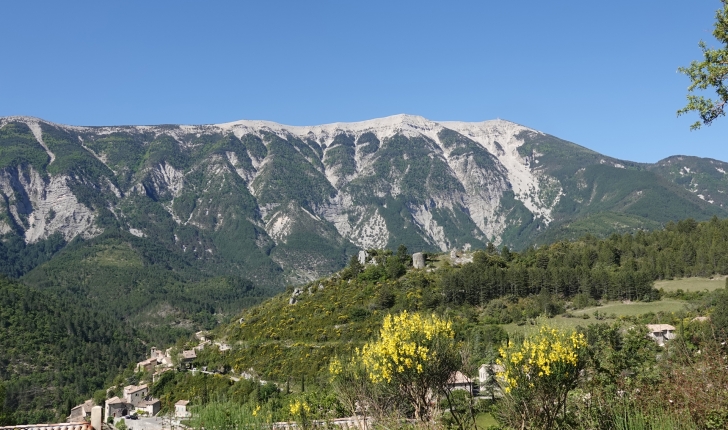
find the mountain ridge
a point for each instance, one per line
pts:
(352, 185)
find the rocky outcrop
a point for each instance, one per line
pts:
(41, 207)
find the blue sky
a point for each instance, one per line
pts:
(600, 74)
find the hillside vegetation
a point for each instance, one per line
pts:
(137, 282)
(499, 287)
(489, 296)
(603, 290)
(55, 352)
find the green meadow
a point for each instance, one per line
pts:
(609, 311)
(692, 284)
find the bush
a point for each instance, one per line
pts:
(415, 355)
(537, 377)
(394, 267)
(385, 299)
(581, 301)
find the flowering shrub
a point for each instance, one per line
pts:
(405, 345)
(300, 411)
(356, 394)
(538, 374)
(299, 407)
(415, 354)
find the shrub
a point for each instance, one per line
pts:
(538, 375)
(415, 354)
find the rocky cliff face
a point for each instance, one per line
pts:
(439, 176)
(40, 207)
(265, 198)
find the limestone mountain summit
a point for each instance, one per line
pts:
(276, 203)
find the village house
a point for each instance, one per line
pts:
(116, 407)
(223, 346)
(157, 357)
(661, 333)
(201, 345)
(81, 413)
(180, 409)
(188, 356)
(146, 365)
(135, 394)
(136, 398)
(458, 381)
(203, 335)
(151, 406)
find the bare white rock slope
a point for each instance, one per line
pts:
(483, 189)
(50, 205)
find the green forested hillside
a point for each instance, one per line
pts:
(337, 314)
(601, 195)
(140, 283)
(702, 176)
(55, 352)
(622, 267)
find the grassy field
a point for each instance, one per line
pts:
(616, 309)
(692, 284)
(556, 322)
(635, 308)
(483, 421)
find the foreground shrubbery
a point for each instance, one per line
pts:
(605, 376)
(537, 376)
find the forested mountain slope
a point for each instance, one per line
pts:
(55, 352)
(138, 282)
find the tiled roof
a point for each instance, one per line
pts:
(60, 426)
(86, 406)
(660, 327)
(115, 400)
(134, 389)
(458, 378)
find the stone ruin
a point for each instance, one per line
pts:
(364, 259)
(418, 260)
